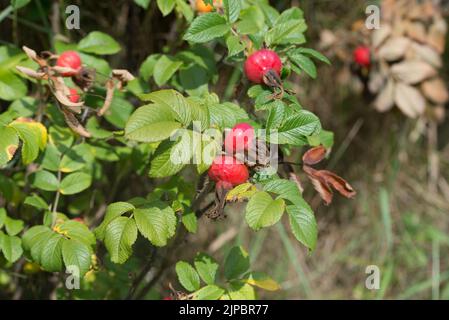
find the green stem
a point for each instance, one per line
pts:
(5, 12)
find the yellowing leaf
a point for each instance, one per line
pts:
(263, 281)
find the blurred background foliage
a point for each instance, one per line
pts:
(398, 221)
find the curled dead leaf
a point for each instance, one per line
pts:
(33, 56)
(385, 99)
(32, 73)
(435, 90)
(437, 35)
(416, 31)
(412, 72)
(314, 155)
(394, 48)
(427, 54)
(110, 85)
(380, 35)
(409, 100)
(325, 180)
(74, 124)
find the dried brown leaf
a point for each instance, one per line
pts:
(427, 54)
(385, 99)
(32, 73)
(337, 182)
(394, 48)
(314, 155)
(33, 56)
(412, 72)
(319, 184)
(409, 100)
(435, 90)
(416, 31)
(380, 35)
(74, 124)
(109, 96)
(437, 35)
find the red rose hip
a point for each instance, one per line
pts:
(228, 171)
(261, 62)
(240, 138)
(362, 56)
(69, 59)
(74, 96)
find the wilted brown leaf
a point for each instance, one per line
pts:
(319, 184)
(416, 31)
(110, 85)
(380, 35)
(437, 35)
(385, 99)
(394, 48)
(324, 180)
(412, 72)
(74, 124)
(32, 73)
(409, 100)
(314, 155)
(427, 54)
(435, 90)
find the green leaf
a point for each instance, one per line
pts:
(9, 143)
(151, 123)
(25, 107)
(187, 276)
(17, 4)
(113, 211)
(234, 45)
(285, 189)
(325, 138)
(143, 3)
(313, 53)
(32, 235)
(262, 211)
(120, 236)
(263, 281)
(76, 254)
(119, 112)
(75, 183)
(296, 128)
(51, 254)
(293, 13)
(209, 292)
(155, 224)
(166, 162)
(206, 267)
(13, 226)
(304, 63)
(45, 180)
(240, 290)
(303, 224)
(11, 86)
(251, 20)
(236, 263)
(34, 137)
(11, 247)
(147, 67)
(166, 6)
(2, 217)
(164, 69)
(76, 230)
(206, 28)
(99, 43)
(232, 9)
(190, 221)
(289, 32)
(172, 100)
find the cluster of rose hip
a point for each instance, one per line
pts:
(226, 170)
(72, 61)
